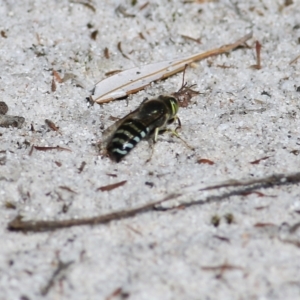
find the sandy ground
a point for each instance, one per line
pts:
(238, 241)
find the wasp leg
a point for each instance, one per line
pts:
(174, 132)
(156, 132)
(152, 141)
(151, 144)
(178, 122)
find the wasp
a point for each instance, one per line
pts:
(148, 120)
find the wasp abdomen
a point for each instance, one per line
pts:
(125, 138)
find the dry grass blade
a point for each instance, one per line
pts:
(133, 80)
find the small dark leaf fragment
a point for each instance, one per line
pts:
(51, 125)
(266, 94)
(288, 2)
(111, 186)
(222, 238)
(118, 294)
(86, 3)
(113, 72)
(255, 162)
(94, 35)
(10, 205)
(3, 34)
(205, 161)
(3, 108)
(264, 225)
(258, 59)
(63, 187)
(106, 53)
(259, 194)
(111, 175)
(121, 51)
(51, 148)
(56, 76)
(31, 150)
(53, 85)
(80, 169)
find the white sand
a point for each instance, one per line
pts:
(156, 255)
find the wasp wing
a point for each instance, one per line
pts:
(109, 131)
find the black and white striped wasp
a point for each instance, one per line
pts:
(148, 120)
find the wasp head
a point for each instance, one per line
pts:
(171, 104)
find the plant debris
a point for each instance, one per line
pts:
(36, 225)
(57, 274)
(3, 108)
(135, 79)
(121, 51)
(205, 161)
(258, 59)
(111, 186)
(6, 120)
(51, 125)
(239, 187)
(257, 161)
(13, 121)
(106, 53)
(39, 148)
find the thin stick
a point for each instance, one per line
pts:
(183, 76)
(243, 187)
(59, 270)
(295, 59)
(248, 186)
(20, 225)
(258, 59)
